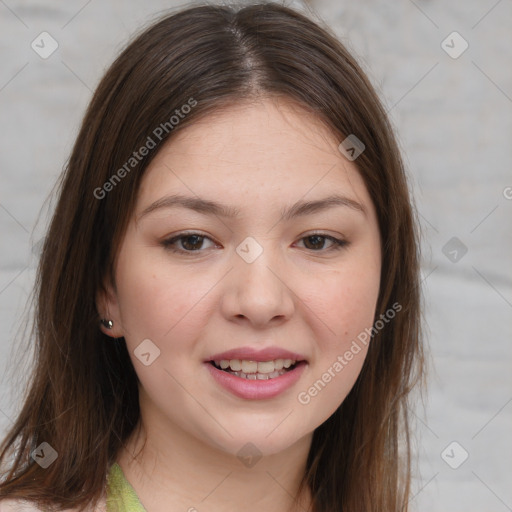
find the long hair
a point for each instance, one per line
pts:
(82, 396)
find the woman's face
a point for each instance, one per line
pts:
(249, 259)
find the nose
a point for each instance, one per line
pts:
(259, 292)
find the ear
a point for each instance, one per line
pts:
(108, 309)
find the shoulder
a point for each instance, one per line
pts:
(12, 505)
(15, 505)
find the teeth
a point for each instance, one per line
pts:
(255, 368)
(235, 364)
(266, 367)
(278, 364)
(247, 366)
(259, 376)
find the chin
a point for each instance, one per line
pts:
(257, 442)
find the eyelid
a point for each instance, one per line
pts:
(168, 241)
(337, 243)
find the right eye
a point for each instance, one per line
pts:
(191, 242)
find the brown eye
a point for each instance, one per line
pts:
(190, 242)
(316, 242)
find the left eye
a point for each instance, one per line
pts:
(318, 239)
(192, 242)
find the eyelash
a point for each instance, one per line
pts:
(338, 244)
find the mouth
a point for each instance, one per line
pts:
(256, 370)
(256, 380)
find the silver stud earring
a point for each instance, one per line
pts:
(108, 324)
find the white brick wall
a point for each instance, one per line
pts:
(454, 122)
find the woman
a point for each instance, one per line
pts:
(228, 295)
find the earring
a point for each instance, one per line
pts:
(108, 324)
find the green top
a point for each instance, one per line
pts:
(121, 496)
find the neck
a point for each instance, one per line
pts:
(176, 472)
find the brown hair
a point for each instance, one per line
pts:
(82, 397)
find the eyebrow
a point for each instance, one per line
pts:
(208, 207)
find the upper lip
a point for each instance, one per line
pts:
(260, 355)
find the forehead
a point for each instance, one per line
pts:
(271, 149)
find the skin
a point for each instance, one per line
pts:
(299, 294)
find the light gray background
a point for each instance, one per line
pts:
(454, 120)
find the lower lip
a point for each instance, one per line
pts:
(256, 389)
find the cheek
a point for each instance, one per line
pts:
(157, 302)
(328, 386)
(343, 302)
(334, 371)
